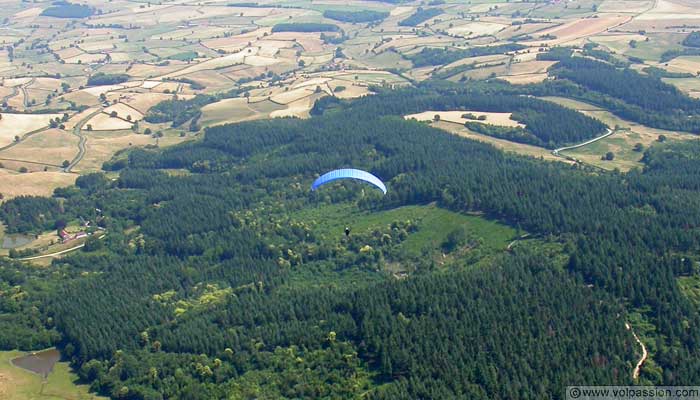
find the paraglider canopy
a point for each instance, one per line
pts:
(349, 173)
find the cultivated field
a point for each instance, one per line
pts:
(493, 118)
(13, 184)
(185, 48)
(12, 125)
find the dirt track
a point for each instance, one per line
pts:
(645, 354)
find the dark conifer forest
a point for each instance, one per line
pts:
(232, 279)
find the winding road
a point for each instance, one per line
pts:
(83, 140)
(595, 139)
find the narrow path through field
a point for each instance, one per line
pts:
(58, 253)
(556, 152)
(11, 95)
(511, 244)
(635, 371)
(595, 139)
(24, 137)
(83, 140)
(25, 94)
(29, 162)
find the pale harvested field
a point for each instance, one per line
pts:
(476, 29)
(476, 61)
(260, 61)
(505, 145)
(233, 43)
(69, 52)
(580, 28)
(524, 79)
(46, 84)
(502, 119)
(530, 67)
(525, 29)
(292, 95)
(103, 122)
(317, 59)
(313, 82)
(669, 10)
(86, 58)
(29, 13)
(618, 43)
(220, 62)
(101, 146)
(123, 110)
(5, 91)
(242, 71)
(70, 124)
(35, 184)
(526, 55)
(175, 14)
(265, 106)
(119, 57)
(401, 10)
(350, 92)
(275, 43)
(689, 64)
(52, 146)
(485, 73)
(414, 42)
(310, 41)
(144, 101)
(691, 86)
(151, 71)
(12, 82)
(19, 124)
(96, 46)
(198, 32)
(17, 101)
(267, 50)
(81, 97)
(228, 111)
(213, 80)
(150, 84)
(482, 8)
(170, 86)
(98, 90)
(299, 108)
(625, 6)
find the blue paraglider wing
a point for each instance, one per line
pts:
(349, 173)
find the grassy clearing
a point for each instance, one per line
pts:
(628, 134)
(19, 384)
(51, 147)
(621, 144)
(434, 224)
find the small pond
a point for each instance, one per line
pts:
(40, 363)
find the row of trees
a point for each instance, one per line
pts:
(438, 56)
(356, 16)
